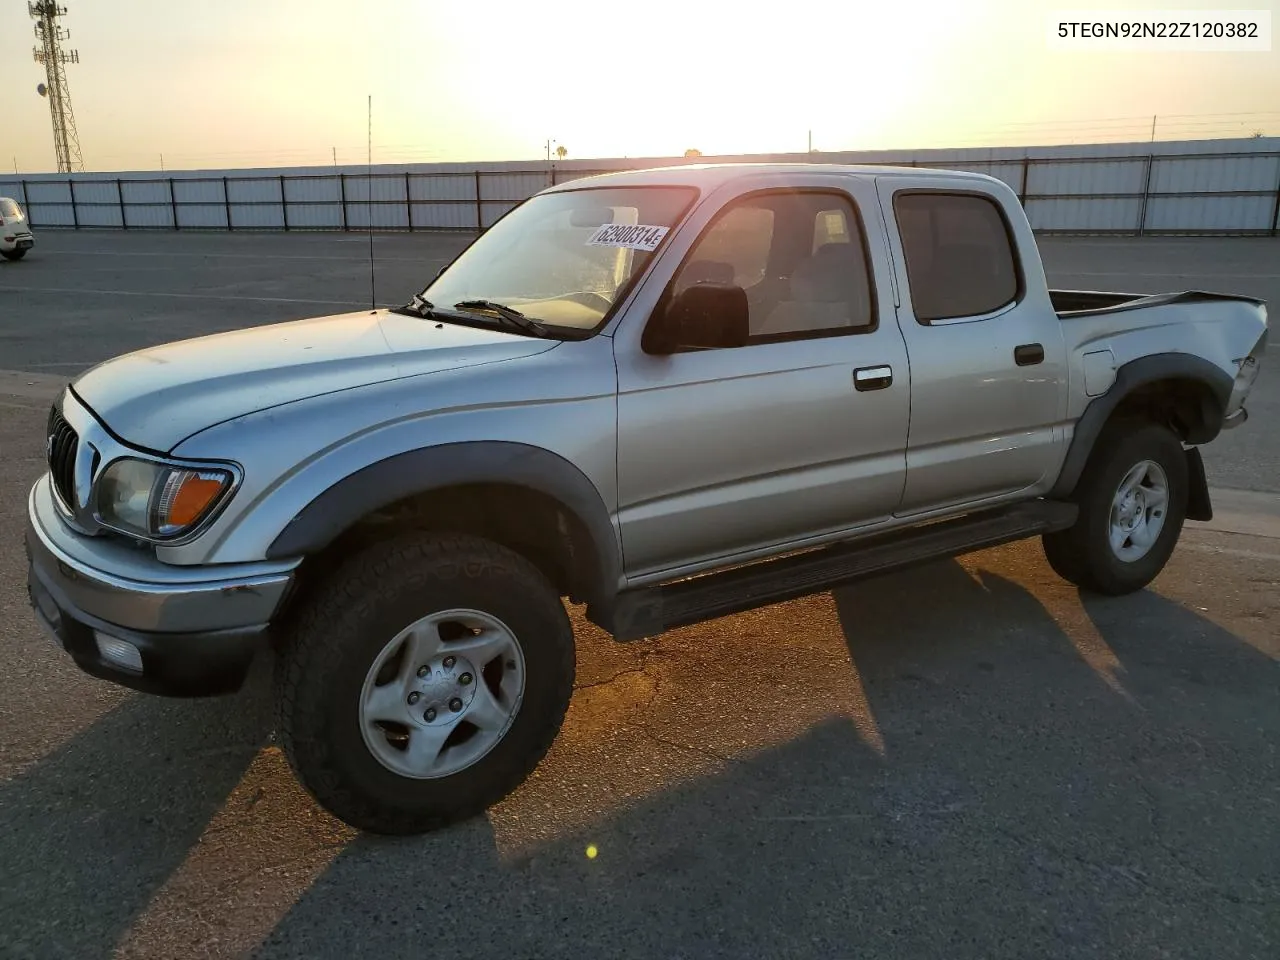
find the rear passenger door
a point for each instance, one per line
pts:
(797, 434)
(985, 346)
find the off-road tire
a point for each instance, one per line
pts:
(1082, 554)
(333, 639)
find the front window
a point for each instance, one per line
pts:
(565, 258)
(801, 259)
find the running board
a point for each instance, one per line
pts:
(649, 611)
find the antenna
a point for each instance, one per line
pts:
(373, 289)
(66, 142)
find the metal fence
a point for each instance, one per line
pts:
(401, 200)
(1205, 192)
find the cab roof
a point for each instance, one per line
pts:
(709, 176)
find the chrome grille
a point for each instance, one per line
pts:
(60, 449)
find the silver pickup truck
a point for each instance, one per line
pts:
(668, 395)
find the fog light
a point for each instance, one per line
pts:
(119, 652)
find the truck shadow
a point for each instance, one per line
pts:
(92, 831)
(1023, 805)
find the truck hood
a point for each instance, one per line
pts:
(158, 397)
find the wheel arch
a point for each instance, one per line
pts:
(524, 497)
(1182, 390)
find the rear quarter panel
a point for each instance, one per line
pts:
(1221, 332)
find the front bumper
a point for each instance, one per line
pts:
(195, 629)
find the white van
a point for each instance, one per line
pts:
(15, 235)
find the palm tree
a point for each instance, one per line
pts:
(561, 151)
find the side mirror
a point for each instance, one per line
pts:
(705, 315)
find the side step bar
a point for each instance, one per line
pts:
(649, 611)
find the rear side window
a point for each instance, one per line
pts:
(960, 260)
(9, 209)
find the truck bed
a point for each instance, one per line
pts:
(1069, 303)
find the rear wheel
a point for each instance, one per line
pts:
(13, 254)
(1133, 500)
(424, 682)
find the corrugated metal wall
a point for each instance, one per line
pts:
(1208, 186)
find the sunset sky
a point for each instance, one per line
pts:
(265, 82)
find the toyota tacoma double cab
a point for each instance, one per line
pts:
(667, 395)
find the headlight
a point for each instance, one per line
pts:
(155, 500)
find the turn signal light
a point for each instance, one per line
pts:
(186, 496)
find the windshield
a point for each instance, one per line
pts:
(564, 258)
(9, 209)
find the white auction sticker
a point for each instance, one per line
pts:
(637, 236)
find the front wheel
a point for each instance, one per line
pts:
(424, 682)
(1133, 499)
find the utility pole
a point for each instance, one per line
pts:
(66, 143)
(1153, 129)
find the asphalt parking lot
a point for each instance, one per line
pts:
(970, 760)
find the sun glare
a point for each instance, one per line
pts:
(704, 76)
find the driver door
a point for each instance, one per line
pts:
(798, 434)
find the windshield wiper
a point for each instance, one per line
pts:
(510, 314)
(419, 306)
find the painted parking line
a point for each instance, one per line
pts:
(73, 364)
(1261, 555)
(165, 254)
(77, 291)
(37, 386)
(1249, 513)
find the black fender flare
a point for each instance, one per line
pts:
(1129, 377)
(416, 472)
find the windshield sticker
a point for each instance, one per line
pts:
(633, 237)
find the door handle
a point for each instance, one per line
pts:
(1028, 354)
(872, 378)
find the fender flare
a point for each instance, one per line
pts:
(416, 472)
(1129, 377)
